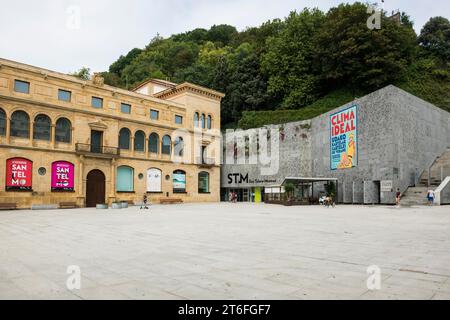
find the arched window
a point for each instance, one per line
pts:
(125, 179)
(166, 145)
(153, 142)
(154, 180)
(203, 182)
(196, 116)
(41, 127)
(202, 121)
(124, 139)
(179, 181)
(178, 147)
(139, 141)
(2, 122)
(20, 124)
(209, 122)
(63, 130)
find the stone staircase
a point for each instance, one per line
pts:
(414, 196)
(439, 170)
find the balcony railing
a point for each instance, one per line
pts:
(97, 150)
(205, 162)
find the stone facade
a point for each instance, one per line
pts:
(107, 121)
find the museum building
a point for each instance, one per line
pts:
(368, 148)
(67, 140)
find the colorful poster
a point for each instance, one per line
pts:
(344, 139)
(19, 174)
(179, 182)
(63, 176)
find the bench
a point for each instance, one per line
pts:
(170, 201)
(8, 206)
(68, 205)
(44, 206)
(130, 202)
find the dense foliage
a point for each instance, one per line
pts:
(84, 73)
(299, 67)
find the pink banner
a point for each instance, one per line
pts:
(63, 176)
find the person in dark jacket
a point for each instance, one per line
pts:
(144, 202)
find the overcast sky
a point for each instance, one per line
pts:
(64, 35)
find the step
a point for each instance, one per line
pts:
(44, 206)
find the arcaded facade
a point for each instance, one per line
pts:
(63, 139)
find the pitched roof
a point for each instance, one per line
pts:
(156, 81)
(185, 87)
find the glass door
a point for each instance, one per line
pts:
(245, 195)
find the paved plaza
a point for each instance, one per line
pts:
(226, 251)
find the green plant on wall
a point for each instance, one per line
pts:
(330, 188)
(289, 189)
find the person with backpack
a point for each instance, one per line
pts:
(430, 197)
(144, 202)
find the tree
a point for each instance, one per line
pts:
(222, 34)
(118, 66)
(257, 36)
(84, 73)
(351, 54)
(247, 87)
(161, 58)
(330, 189)
(435, 38)
(111, 78)
(289, 188)
(198, 36)
(309, 62)
(289, 59)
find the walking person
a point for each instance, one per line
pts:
(329, 201)
(398, 196)
(144, 202)
(430, 197)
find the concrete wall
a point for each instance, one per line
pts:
(399, 136)
(340, 192)
(347, 191)
(375, 144)
(423, 133)
(294, 158)
(443, 192)
(358, 192)
(371, 192)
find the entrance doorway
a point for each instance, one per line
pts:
(95, 188)
(96, 141)
(377, 192)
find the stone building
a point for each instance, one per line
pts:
(395, 137)
(63, 139)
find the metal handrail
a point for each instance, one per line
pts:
(90, 148)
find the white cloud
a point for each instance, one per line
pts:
(37, 32)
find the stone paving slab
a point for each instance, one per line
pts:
(226, 251)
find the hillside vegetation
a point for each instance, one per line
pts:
(298, 67)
